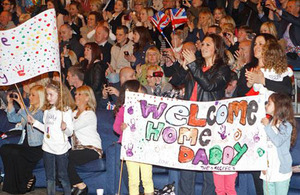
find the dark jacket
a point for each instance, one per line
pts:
(248, 13)
(95, 78)
(106, 52)
(286, 19)
(211, 84)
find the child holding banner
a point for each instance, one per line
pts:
(57, 127)
(281, 134)
(134, 168)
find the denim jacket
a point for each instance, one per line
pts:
(35, 136)
(282, 141)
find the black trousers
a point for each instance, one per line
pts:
(18, 161)
(79, 157)
(257, 182)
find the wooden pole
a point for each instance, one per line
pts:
(61, 101)
(120, 180)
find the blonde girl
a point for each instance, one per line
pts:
(269, 28)
(219, 13)
(57, 128)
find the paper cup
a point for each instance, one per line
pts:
(100, 191)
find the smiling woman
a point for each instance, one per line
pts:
(86, 142)
(205, 80)
(20, 159)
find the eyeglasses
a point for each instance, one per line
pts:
(3, 4)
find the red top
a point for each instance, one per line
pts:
(194, 93)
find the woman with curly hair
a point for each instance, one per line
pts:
(265, 57)
(267, 71)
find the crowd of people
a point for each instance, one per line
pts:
(227, 48)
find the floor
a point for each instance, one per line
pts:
(37, 191)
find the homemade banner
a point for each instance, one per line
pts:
(30, 49)
(225, 135)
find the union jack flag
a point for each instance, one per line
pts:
(178, 17)
(160, 20)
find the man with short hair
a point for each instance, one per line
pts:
(75, 77)
(101, 38)
(6, 21)
(67, 40)
(110, 93)
(243, 56)
(122, 48)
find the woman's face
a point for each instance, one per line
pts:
(197, 3)
(6, 5)
(207, 48)
(150, 79)
(203, 19)
(88, 53)
(222, 21)
(94, 7)
(91, 21)
(264, 29)
(143, 15)
(258, 45)
(34, 98)
(135, 37)
(218, 15)
(119, 7)
(81, 99)
(50, 5)
(73, 10)
(138, 6)
(152, 57)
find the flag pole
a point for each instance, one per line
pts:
(61, 101)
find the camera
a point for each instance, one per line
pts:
(158, 74)
(14, 96)
(225, 34)
(126, 53)
(263, 3)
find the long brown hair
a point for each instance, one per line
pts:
(145, 38)
(284, 112)
(96, 53)
(67, 99)
(131, 85)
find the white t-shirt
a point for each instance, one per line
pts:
(55, 140)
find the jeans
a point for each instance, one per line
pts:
(61, 161)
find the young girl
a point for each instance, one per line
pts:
(281, 134)
(57, 128)
(134, 168)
